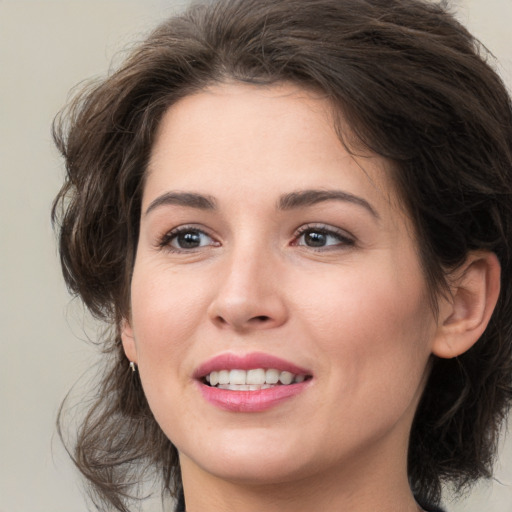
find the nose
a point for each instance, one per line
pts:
(249, 296)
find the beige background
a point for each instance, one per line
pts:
(46, 47)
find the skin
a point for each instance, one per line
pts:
(354, 312)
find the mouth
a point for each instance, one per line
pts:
(250, 383)
(254, 379)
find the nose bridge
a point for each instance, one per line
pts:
(248, 296)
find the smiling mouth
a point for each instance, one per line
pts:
(252, 380)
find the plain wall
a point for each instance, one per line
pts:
(46, 47)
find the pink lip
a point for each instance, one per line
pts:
(249, 401)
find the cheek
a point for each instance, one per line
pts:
(166, 309)
(374, 324)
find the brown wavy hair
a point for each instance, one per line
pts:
(414, 86)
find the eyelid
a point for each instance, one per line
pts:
(346, 239)
(164, 241)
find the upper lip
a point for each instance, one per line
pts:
(253, 360)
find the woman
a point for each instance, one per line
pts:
(296, 216)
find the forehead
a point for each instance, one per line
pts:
(239, 136)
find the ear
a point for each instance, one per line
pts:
(464, 316)
(128, 340)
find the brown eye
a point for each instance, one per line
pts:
(189, 239)
(318, 238)
(315, 239)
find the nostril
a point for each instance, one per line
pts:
(261, 318)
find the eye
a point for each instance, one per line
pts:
(318, 237)
(186, 239)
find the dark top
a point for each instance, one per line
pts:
(180, 507)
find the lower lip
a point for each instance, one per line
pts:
(251, 401)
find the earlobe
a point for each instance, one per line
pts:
(464, 317)
(128, 340)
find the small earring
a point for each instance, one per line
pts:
(132, 366)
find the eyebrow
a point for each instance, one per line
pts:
(290, 201)
(306, 198)
(190, 199)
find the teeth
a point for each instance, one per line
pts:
(286, 378)
(224, 377)
(256, 376)
(243, 387)
(272, 376)
(251, 380)
(237, 376)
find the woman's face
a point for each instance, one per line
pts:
(265, 246)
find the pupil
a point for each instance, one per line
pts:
(189, 240)
(315, 239)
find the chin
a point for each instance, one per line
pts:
(250, 471)
(250, 459)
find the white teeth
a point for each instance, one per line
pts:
(237, 376)
(224, 377)
(272, 376)
(286, 378)
(256, 376)
(243, 387)
(234, 387)
(251, 380)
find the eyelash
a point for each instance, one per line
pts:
(166, 241)
(342, 237)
